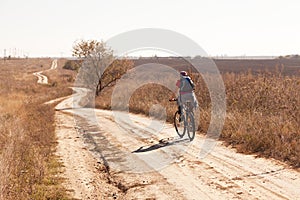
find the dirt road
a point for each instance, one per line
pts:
(42, 79)
(106, 157)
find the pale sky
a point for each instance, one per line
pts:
(231, 27)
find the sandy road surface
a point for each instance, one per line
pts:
(42, 79)
(141, 163)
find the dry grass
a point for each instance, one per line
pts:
(28, 167)
(263, 113)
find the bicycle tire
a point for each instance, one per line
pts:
(190, 122)
(179, 125)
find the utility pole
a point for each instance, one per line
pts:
(4, 54)
(15, 52)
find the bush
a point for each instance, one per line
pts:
(72, 65)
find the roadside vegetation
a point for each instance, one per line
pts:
(29, 168)
(263, 114)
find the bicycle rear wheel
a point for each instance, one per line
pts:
(179, 124)
(190, 122)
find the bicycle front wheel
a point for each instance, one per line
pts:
(190, 123)
(179, 124)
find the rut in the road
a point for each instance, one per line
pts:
(89, 132)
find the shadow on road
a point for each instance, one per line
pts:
(162, 143)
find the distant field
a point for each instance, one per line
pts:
(286, 66)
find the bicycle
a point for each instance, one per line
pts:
(185, 122)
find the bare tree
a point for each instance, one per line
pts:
(102, 69)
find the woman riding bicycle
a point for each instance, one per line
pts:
(186, 91)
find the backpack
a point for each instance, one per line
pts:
(186, 84)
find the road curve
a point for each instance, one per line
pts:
(42, 79)
(162, 166)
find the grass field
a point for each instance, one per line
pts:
(28, 167)
(263, 115)
(263, 101)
